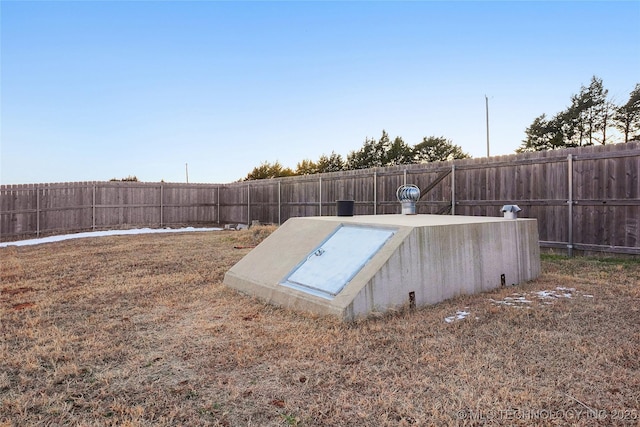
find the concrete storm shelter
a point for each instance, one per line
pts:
(350, 266)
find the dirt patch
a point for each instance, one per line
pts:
(23, 305)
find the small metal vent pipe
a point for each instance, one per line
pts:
(511, 211)
(408, 195)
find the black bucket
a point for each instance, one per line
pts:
(344, 207)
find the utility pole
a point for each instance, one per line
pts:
(186, 170)
(486, 103)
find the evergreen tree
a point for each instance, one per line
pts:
(546, 134)
(627, 117)
(588, 115)
(437, 149)
(598, 112)
(268, 170)
(380, 153)
(365, 157)
(373, 153)
(575, 119)
(130, 178)
(306, 167)
(399, 153)
(331, 163)
(381, 150)
(585, 122)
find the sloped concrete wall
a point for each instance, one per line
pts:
(436, 263)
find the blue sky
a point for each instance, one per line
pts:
(99, 90)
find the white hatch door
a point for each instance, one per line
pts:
(335, 262)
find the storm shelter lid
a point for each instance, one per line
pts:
(330, 266)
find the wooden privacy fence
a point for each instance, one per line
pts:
(42, 209)
(586, 198)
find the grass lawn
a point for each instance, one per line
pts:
(140, 331)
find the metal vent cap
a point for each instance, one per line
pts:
(511, 211)
(408, 195)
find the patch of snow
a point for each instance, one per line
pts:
(460, 315)
(515, 301)
(545, 296)
(101, 234)
(559, 292)
(567, 292)
(587, 296)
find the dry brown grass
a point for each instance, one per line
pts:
(140, 331)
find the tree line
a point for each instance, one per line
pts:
(373, 153)
(588, 120)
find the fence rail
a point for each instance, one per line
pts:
(584, 198)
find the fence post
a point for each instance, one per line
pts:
(453, 189)
(375, 192)
(93, 208)
(218, 204)
(161, 205)
(570, 204)
(320, 195)
(279, 208)
(37, 211)
(248, 204)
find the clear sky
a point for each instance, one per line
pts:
(98, 90)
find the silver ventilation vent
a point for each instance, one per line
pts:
(510, 211)
(408, 195)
